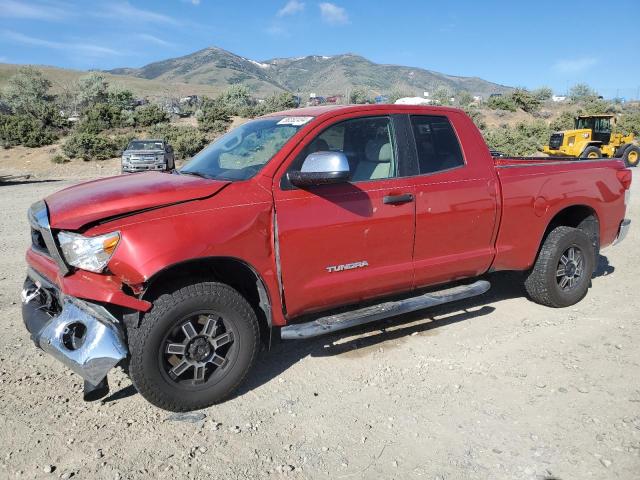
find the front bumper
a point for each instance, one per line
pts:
(144, 167)
(83, 336)
(622, 231)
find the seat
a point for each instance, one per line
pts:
(377, 161)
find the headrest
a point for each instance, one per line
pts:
(378, 151)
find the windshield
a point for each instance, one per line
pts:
(242, 152)
(145, 145)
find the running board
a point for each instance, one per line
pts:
(340, 321)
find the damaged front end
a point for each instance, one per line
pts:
(82, 335)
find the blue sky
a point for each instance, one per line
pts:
(510, 42)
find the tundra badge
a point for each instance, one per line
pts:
(347, 266)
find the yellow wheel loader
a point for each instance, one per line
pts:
(592, 138)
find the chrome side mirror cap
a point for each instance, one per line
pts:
(321, 168)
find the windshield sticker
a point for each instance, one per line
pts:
(295, 121)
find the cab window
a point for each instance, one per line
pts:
(437, 145)
(368, 144)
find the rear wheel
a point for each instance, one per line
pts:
(194, 347)
(562, 273)
(591, 152)
(631, 156)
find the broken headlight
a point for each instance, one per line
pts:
(88, 253)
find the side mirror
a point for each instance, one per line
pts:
(321, 168)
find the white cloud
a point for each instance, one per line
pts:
(84, 48)
(195, 2)
(38, 11)
(153, 39)
(576, 65)
(292, 7)
(126, 11)
(333, 14)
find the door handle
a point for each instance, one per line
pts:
(397, 199)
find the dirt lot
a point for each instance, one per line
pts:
(493, 388)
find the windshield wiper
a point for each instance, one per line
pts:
(195, 174)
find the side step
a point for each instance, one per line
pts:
(340, 321)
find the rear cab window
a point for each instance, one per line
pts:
(437, 145)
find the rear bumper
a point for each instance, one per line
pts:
(622, 231)
(83, 336)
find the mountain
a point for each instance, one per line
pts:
(324, 75)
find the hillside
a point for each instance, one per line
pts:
(321, 74)
(62, 78)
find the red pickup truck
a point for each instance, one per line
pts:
(301, 222)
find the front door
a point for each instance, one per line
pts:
(347, 242)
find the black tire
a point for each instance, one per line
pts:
(631, 156)
(591, 152)
(153, 371)
(543, 283)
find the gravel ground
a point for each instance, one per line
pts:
(492, 388)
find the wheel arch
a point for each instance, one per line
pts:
(231, 271)
(580, 216)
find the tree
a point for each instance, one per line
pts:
(502, 102)
(465, 99)
(99, 117)
(121, 98)
(359, 96)
(90, 89)
(276, 103)
(542, 94)
(442, 96)
(212, 116)
(27, 92)
(149, 115)
(565, 121)
(236, 99)
(525, 100)
(581, 91)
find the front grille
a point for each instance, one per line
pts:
(556, 140)
(143, 159)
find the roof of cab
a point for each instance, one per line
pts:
(326, 110)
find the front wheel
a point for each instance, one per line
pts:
(591, 152)
(194, 347)
(562, 273)
(631, 155)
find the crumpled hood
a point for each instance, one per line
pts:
(74, 207)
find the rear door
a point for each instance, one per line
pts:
(456, 200)
(343, 243)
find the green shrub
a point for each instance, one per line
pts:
(525, 100)
(565, 121)
(89, 146)
(476, 116)
(213, 116)
(24, 130)
(27, 92)
(100, 117)
(236, 100)
(276, 103)
(464, 99)
(186, 141)
(502, 102)
(526, 138)
(629, 122)
(542, 94)
(149, 115)
(59, 159)
(359, 96)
